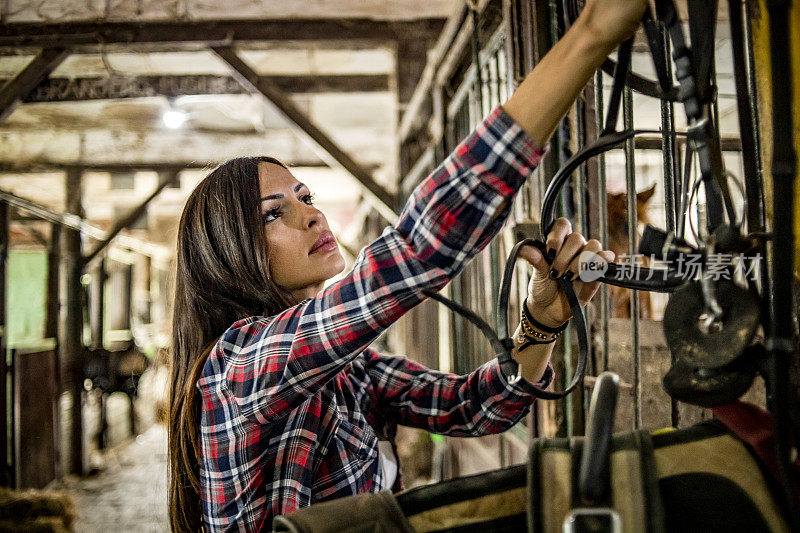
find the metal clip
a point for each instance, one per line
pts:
(574, 520)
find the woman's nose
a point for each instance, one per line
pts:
(311, 216)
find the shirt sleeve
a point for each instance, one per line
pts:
(481, 403)
(269, 365)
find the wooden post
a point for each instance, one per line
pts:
(71, 331)
(6, 469)
(96, 307)
(53, 261)
(120, 281)
(411, 59)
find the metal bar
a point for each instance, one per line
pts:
(71, 330)
(630, 183)
(476, 59)
(745, 99)
(781, 339)
(80, 89)
(382, 199)
(202, 33)
(602, 198)
(668, 144)
(132, 217)
(581, 405)
(670, 176)
(14, 90)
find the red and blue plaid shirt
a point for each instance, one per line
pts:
(293, 404)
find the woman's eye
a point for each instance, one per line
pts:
(308, 198)
(272, 214)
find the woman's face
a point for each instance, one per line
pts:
(303, 253)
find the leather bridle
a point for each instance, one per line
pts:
(701, 133)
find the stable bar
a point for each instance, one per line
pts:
(746, 107)
(602, 200)
(630, 185)
(670, 161)
(53, 261)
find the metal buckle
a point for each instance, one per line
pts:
(572, 523)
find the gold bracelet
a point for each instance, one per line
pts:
(529, 330)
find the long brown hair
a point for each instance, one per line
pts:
(222, 276)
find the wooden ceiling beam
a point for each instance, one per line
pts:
(43, 166)
(382, 200)
(203, 33)
(95, 88)
(14, 90)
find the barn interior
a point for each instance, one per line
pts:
(111, 112)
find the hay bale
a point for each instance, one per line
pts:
(36, 510)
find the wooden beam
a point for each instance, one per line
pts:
(80, 89)
(45, 165)
(130, 218)
(203, 33)
(412, 55)
(80, 224)
(96, 303)
(13, 91)
(6, 469)
(53, 261)
(382, 199)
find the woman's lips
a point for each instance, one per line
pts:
(325, 243)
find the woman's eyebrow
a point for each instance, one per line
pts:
(280, 195)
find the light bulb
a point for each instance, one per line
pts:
(174, 119)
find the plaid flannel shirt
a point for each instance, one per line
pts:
(293, 404)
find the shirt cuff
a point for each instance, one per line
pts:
(523, 386)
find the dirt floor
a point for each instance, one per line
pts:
(130, 493)
(126, 490)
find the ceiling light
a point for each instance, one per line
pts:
(174, 119)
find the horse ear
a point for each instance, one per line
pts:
(645, 195)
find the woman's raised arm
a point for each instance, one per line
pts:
(544, 97)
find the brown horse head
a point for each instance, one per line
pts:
(618, 243)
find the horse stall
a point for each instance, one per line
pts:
(652, 178)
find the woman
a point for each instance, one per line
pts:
(277, 401)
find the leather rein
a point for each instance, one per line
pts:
(704, 141)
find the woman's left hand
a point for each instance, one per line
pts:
(547, 303)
